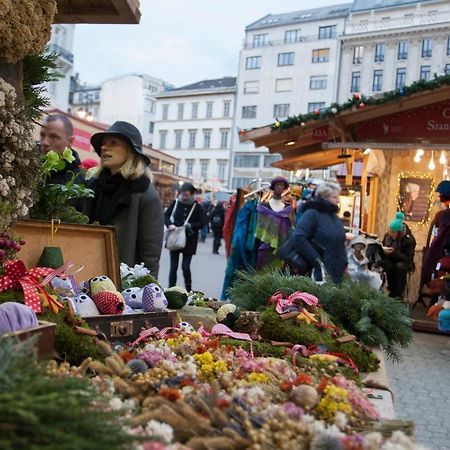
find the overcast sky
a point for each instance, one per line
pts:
(179, 41)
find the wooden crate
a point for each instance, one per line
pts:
(126, 327)
(45, 333)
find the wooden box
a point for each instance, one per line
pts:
(45, 333)
(91, 246)
(127, 327)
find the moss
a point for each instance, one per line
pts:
(139, 282)
(71, 346)
(274, 328)
(11, 296)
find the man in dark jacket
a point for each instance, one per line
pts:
(57, 134)
(398, 260)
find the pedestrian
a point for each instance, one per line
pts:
(398, 255)
(320, 227)
(183, 208)
(57, 134)
(124, 196)
(206, 208)
(217, 220)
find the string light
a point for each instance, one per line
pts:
(443, 158)
(431, 164)
(420, 152)
(367, 151)
(417, 158)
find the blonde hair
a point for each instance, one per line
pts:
(134, 167)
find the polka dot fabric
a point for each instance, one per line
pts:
(109, 302)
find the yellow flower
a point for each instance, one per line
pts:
(256, 377)
(334, 400)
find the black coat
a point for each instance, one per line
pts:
(217, 218)
(404, 247)
(320, 223)
(195, 221)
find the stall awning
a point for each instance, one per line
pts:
(98, 11)
(167, 178)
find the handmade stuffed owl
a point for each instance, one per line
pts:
(84, 305)
(101, 283)
(133, 297)
(153, 298)
(65, 286)
(109, 302)
(228, 314)
(186, 326)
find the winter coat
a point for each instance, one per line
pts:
(195, 221)
(404, 247)
(139, 224)
(217, 219)
(320, 223)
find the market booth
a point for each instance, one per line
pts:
(401, 138)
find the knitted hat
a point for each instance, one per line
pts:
(443, 188)
(397, 223)
(276, 180)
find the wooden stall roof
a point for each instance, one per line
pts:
(98, 11)
(301, 147)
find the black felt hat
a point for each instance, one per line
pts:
(127, 132)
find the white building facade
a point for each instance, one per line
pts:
(132, 98)
(61, 43)
(288, 65)
(390, 44)
(194, 123)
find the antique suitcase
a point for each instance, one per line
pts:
(126, 327)
(45, 341)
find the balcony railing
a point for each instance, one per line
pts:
(400, 22)
(278, 42)
(63, 53)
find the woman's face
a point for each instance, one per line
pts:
(279, 188)
(114, 153)
(333, 198)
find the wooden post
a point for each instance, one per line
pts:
(374, 182)
(363, 191)
(349, 169)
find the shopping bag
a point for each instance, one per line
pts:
(176, 238)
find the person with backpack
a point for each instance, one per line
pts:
(217, 220)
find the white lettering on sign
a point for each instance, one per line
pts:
(446, 113)
(437, 126)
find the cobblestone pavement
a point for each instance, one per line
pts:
(420, 382)
(421, 388)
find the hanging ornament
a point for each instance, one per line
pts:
(277, 124)
(317, 112)
(361, 105)
(303, 124)
(357, 96)
(334, 110)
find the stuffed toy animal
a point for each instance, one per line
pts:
(153, 298)
(101, 283)
(228, 314)
(65, 286)
(109, 302)
(133, 297)
(187, 327)
(444, 317)
(84, 305)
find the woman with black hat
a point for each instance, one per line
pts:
(183, 209)
(124, 196)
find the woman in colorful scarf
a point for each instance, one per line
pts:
(275, 220)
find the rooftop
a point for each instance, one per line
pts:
(306, 15)
(366, 5)
(225, 82)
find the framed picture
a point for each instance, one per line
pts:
(92, 247)
(415, 196)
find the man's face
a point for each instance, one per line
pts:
(394, 234)
(53, 137)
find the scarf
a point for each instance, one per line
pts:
(273, 227)
(112, 194)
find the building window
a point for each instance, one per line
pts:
(291, 36)
(151, 127)
(400, 78)
(377, 80)
(178, 137)
(286, 59)
(246, 161)
(321, 55)
(315, 106)
(249, 112)
(224, 138)
(260, 40)
(269, 159)
(209, 109)
(356, 82)
(327, 32)
(192, 137)
(253, 62)
(152, 107)
(226, 108)
(318, 82)
(240, 182)
(447, 69)
(162, 139)
(221, 169)
(427, 47)
(448, 46)
(165, 112)
(194, 112)
(425, 73)
(189, 167)
(379, 52)
(358, 54)
(281, 110)
(206, 138)
(402, 50)
(204, 163)
(180, 111)
(283, 85)
(251, 87)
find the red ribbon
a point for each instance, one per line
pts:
(16, 277)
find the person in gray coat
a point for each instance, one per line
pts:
(320, 227)
(124, 196)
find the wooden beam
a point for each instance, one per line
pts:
(363, 197)
(349, 169)
(382, 146)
